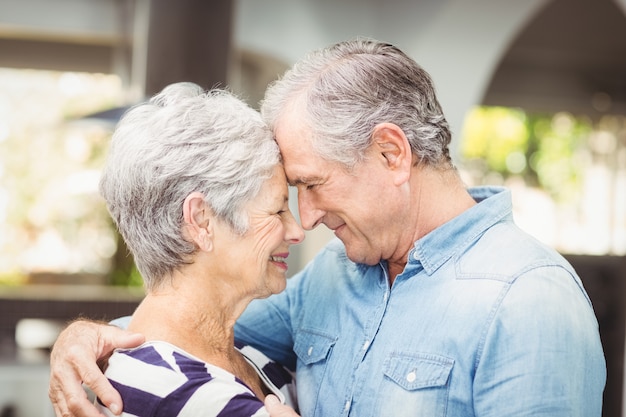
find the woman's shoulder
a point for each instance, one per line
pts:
(150, 362)
(159, 375)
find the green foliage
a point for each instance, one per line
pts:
(12, 278)
(543, 149)
(123, 270)
(51, 216)
(493, 134)
(126, 278)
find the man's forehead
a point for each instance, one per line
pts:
(300, 172)
(297, 157)
(303, 180)
(300, 162)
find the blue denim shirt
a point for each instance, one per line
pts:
(484, 321)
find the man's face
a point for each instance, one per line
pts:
(356, 205)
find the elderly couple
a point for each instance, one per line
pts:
(430, 303)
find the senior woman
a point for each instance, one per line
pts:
(195, 186)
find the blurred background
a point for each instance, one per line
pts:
(534, 90)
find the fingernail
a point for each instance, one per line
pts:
(115, 409)
(271, 400)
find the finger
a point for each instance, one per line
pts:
(79, 405)
(73, 361)
(74, 365)
(72, 402)
(102, 388)
(123, 339)
(58, 401)
(68, 395)
(271, 401)
(109, 338)
(65, 389)
(105, 337)
(276, 409)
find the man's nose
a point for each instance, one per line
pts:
(310, 215)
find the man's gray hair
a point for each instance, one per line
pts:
(349, 88)
(181, 141)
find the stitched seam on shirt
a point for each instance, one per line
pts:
(489, 322)
(505, 291)
(511, 278)
(431, 267)
(492, 218)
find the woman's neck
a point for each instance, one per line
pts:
(200, 330)
(198, 322)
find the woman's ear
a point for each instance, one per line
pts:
(198, 221)
(392, 145)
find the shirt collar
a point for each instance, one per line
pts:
(432, 250)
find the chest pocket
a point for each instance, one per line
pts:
(313, 349)
(416, 384)
(312, 346)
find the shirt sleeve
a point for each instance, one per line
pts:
(542, 354)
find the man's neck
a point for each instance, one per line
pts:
(438, 196)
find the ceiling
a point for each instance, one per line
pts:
(571, 56)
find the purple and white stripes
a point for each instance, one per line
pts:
(158, 379)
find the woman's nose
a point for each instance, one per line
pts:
(295, 233)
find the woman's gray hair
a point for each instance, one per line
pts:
(349, 88)
(183, 140)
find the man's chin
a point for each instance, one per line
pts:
(361, 257)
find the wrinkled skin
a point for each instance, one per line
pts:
(79, 362)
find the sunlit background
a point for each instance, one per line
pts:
(567, 174)
(51, 219)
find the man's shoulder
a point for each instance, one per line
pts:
(505, 252)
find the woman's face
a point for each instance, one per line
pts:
(256, 261)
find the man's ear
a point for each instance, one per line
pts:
(392, 144)
(198, 221)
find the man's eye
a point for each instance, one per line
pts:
(309, 187)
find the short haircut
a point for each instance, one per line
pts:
(181, 141)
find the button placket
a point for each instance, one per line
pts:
(346, 406)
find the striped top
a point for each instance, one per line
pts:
(158, 379)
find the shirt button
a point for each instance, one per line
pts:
(346, 407)
(411, 376)
(366, 345)
(310, 351)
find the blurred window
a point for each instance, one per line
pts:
(567, 174)
(52, 220)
